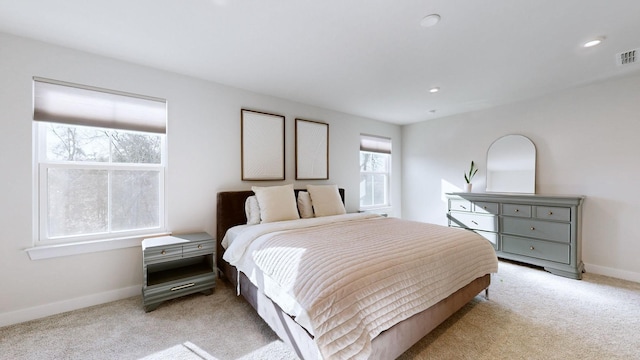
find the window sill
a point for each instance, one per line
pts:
(59, 250)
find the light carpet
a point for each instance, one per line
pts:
(185, 351)
(531, 314)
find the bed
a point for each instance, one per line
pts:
(395, 332)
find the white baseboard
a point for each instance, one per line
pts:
(45, 310)
(616, 273)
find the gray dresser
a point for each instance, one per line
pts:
(542, 230)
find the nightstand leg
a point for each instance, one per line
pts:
(151, 307)
(207, 292)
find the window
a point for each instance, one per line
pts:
(375, 171)
(100, 163)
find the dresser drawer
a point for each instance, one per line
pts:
(165, 253)
(553, 213)
(491, 236)
(475, 221)
(459, 205)
(485, 207)
(539, 249)
(516, 210)
(547, 230)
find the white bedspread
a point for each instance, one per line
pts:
(348, 278)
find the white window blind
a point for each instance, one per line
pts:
(67, 103)
(376, 144)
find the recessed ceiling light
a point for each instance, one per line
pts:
(430, 20)
(593, 42)
(434, 89)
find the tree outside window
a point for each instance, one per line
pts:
(99, 181)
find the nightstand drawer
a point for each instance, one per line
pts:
(164, 253)
(460, 205)
(475, 221)
(537, 229)
(553, 213)
(516, 210)
(180, 287)
(539, 249)
(196, 248)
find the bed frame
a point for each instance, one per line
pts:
(388, 345)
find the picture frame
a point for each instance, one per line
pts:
(262, 145)
(312, 150)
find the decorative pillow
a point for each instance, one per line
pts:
(326, 200)
(252, 210)
(304, 205)
(277, 203)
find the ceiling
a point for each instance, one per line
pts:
(370, 58)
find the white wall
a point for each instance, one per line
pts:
(204, 158)
(587, 143)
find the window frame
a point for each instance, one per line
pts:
(41, 191)
(387, 180)
(45, 246)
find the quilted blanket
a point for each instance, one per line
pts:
(348, 280)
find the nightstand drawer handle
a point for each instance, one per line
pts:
(163, 252)
(475, 223)
(182, 286)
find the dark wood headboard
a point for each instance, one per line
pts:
(230, 212)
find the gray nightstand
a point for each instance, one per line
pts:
(175, 266)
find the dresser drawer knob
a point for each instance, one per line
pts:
(550, 212)
(484, 207)
(531, 248)
(199, 246)
(532, 228)
(163, 252)
(517, 210)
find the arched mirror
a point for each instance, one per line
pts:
(511, 165)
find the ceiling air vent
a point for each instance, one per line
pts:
(628, 57)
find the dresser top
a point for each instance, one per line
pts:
(513, 197)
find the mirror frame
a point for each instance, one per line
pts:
(521, 175)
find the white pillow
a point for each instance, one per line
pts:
(304, 205)
(277, 203)
(252, 210)
(326, 200)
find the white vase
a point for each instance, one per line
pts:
(467, 187)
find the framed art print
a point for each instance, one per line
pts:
(312, 150)
(262, 146)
